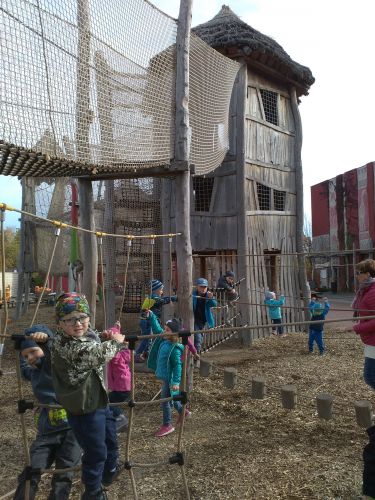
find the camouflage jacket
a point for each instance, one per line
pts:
(77, 372)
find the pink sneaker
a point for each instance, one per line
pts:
(187, 415)
(164, 430)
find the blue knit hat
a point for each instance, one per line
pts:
(155, 285)
(39, 328)
(201, 282)
(229, 274)
(27, 344)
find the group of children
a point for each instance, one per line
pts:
(318, 308)
(67, 368)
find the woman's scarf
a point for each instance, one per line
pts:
(361, 291)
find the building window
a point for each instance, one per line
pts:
(264, 197)
(269, 100)
(270, 199)
(279, 200)
(202, 190)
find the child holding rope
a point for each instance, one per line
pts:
(274, 311)
(165, 360)
(119, 382)
(77, 368)
(55, 441)
(155, 302)
(318, 312)
(202, 302)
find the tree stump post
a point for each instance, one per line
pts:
(289, 396)
(363, 413)
(324, 406)
(205, 368)
(230, 378)
(258, 387)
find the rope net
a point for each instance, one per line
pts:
(97, 81)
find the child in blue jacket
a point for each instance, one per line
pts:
(274, 310)
(55, 441)
(165, 360)
(155, 302)
(318, 313)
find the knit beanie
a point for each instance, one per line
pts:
(38, 328)
(27, 344)
(229, 274)
(156, 284)
(70, 302)
(270, 295)
(174, 325)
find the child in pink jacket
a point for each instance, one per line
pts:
(119, 384)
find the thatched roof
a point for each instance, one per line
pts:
(227, 33)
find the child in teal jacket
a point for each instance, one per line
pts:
(165, 360)
(274, 310)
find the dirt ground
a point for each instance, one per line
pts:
(236, 447)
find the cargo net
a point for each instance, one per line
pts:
(99, 79)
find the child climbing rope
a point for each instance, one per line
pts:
(202, 302)
(165, 360)
(77, 367)
(55, 441)
(155, 302)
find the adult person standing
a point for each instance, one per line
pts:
(364, 305)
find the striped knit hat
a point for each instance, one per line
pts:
(155, 285)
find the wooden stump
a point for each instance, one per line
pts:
(258, 387)
(289, 396)
(363, 413)
(205, 368)
(230, 377)
(324, 406)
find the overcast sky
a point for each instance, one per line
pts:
(335, 40)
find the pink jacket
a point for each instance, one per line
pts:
(118, 372)
(366, 328)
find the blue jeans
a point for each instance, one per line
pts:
(369, 372)
(167, 406)
(198, 337)
(96, 434)
(279, 329)
(144, 345)
(316, 336)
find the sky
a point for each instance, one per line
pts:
(335, 40)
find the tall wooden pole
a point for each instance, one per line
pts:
(182, 153)
(302, 277)
(83, 121)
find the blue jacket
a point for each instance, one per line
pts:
(274, 308)
(208, 304)
(48, 420)
(318, 313)
(160, 301)
(165, 357)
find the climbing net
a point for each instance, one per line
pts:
(96, 82)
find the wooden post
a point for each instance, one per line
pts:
(104, 97)
(302, 277)
(289, 396)
(363, 413)
(230, 378)
(354, 275)
(165, 245)
(258, 387)
(324, 406)
(181, 164)
(205, 368)
(242, 231)
(83, 121)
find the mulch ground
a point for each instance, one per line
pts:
(236, 447)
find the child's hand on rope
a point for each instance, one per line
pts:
(175, 388)
(39, 336)
(196, 356)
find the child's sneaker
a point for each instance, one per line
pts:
(187, 415)
(121, 423)
(164, 430)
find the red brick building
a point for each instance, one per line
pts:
(343, 219)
